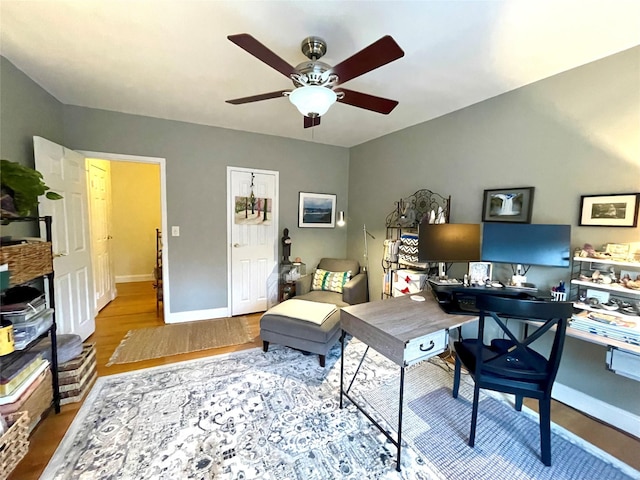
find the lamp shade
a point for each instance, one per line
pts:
(341, 222)
(313, 100)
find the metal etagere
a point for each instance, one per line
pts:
(409, 212)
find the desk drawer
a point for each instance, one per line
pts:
(425, 347)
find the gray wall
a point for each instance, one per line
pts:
(577, 133)
(196, 160)
(25, 110)
(573, 134)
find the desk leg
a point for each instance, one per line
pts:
(341, 366)
(400, 405)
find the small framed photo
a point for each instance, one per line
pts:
(317, 210)
(615, 210)
(513, 205)
(479, 272)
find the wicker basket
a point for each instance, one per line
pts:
(14, 444)
(27, 261)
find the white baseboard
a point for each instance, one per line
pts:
(603, 411)
(145, 277)
(194, 315)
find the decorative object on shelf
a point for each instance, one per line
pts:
(20, 188)
(410, 211)
(317, 210)
(615, 210)
(508, 205)
(286, 247)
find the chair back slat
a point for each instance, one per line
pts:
(519, 362)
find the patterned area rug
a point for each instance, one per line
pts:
(276, 415)
(507, 443)
(167, 340)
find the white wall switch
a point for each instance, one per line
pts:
(175, 231)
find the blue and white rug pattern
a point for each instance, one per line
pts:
(275, 415)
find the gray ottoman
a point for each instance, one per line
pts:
(308, 326)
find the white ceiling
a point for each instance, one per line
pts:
(171, 59)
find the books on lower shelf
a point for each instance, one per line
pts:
(606, 325)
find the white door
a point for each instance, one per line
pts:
(253, 231)
(64, 172)
(99, 178)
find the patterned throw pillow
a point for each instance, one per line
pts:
(329, 281)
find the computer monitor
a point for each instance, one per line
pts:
(526, 244)
(449, 242)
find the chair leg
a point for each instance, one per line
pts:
(265, 346)
(323, 359)
(544, 405)
(519, 403)
(474, 415)
(456, 378)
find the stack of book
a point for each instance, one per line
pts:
(25, 385)
(617, 327)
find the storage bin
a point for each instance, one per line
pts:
(27, 261)
(25, 333)
(24, 312)
(14, 444)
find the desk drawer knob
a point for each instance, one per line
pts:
(430, 347)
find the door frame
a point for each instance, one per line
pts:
(230, 203)
(161, 162)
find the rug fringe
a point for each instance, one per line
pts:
(114, 355)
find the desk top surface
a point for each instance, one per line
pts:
(402, 318)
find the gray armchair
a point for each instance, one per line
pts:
(287, 329)
(354, 291)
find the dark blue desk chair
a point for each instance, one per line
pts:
(510, 365)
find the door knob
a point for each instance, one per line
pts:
(236, 245)
(56, 255)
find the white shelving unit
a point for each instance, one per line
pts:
(585, 266)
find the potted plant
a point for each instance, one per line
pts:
(21, 187)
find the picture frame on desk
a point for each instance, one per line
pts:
(509, 205)
(615, 210)
(317, 210)
(480, 272)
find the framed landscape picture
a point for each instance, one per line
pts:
(508, 205)
(317, 210)
(615, 210)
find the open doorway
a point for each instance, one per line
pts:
(127, 199)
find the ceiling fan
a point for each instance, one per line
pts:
(315, 82)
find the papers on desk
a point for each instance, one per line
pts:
(625, 329)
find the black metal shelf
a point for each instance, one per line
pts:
(49, 278)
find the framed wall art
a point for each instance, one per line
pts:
(317, 210)
(615, 210)
(508, 205)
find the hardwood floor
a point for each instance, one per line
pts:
(135, 308)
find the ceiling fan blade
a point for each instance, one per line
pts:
(366, 101)
(262, 53)
(257, 98)
(377, 54)
(311, 122)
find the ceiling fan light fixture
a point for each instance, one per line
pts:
(313, 100)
